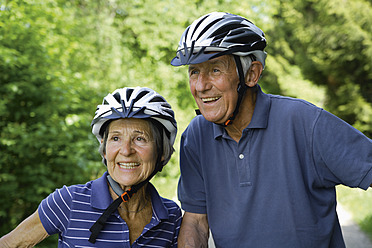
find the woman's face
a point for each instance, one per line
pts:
(130, 151)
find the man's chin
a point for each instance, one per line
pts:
(212, 118)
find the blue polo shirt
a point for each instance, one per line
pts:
(71, 211)
(276, 187)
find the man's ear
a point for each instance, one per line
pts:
(254, 74)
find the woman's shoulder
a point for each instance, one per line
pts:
(72, 191)
(170, 204)
(160, 203)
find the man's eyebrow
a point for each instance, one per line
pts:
(191, 67)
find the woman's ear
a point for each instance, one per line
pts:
(104, 154)
(254, 74)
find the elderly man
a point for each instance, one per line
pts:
(259, 170)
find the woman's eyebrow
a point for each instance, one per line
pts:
(139, 131)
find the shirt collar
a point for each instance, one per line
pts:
(101, 197)
(159, 209)
(260, 115)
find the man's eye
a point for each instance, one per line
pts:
(216, 70)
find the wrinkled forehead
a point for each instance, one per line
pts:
(226, 61)
(130, 125)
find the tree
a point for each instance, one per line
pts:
(331, 42)
(43, 118)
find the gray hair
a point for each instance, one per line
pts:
(246, 63)
(160, 140)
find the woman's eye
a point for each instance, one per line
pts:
(140, 139)
(115, 138)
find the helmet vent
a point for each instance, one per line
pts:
(157, 99)
(208, 26)
(221, 32)
(169, 111)
(140, 95)
(117, 96)
(129, 93)
(196, 27)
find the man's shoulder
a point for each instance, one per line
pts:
(199, 120)
(291, 101)
(293, 106)
(199, 125)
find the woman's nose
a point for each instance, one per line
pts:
(126, 148)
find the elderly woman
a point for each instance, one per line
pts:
(136, 129)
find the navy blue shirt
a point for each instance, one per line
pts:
(276, 187)
(71, 212)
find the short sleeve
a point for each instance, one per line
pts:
(178, 220)
(342, 154)
(191, 190)
(54, 211)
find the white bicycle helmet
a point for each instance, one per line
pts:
(221, 33)
(138, 102)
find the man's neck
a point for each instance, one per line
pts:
(244, 116)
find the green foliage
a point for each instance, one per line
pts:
(331, 42)
(58, 59)
(42, 116)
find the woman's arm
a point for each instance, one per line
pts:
(194, 231)
(27, 234)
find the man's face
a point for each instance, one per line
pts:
(213, 84)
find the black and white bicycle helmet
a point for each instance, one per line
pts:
(139, 102)
(217, 34)
(221, 33)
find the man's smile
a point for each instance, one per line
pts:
(210, 99)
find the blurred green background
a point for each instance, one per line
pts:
(58, 59)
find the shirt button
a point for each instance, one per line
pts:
(241, 156)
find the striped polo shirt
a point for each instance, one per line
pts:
(71, 211)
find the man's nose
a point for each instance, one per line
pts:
(203, 83)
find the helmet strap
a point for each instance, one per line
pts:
(242, 88)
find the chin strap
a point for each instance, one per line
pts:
(242, 88)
